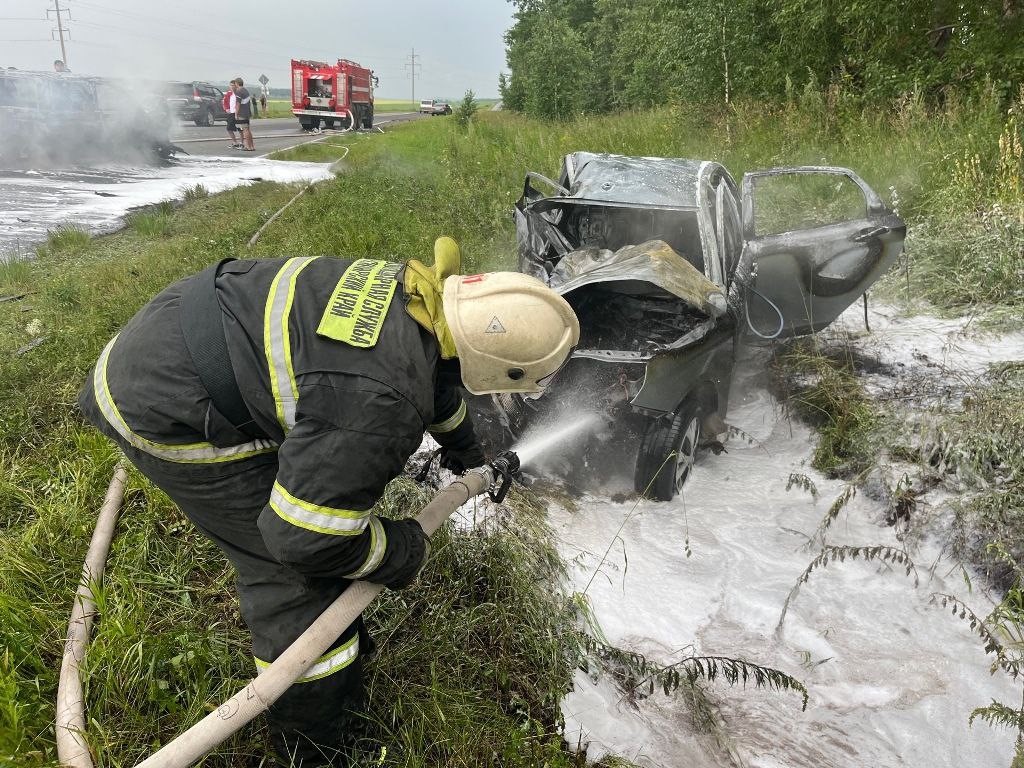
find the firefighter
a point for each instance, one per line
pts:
(273, 401)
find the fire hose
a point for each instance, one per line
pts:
(257, 696)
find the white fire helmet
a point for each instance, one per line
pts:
(511, 332)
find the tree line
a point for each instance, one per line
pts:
(576, 56)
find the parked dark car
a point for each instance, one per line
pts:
(669, 265)
(201, 103)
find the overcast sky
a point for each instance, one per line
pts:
(458, 43)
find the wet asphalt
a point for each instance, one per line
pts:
(269, 135)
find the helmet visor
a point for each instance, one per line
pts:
(543, 381)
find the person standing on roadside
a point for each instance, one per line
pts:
(243, 113)
(228, 103)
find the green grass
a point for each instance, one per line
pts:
(155, 220)
(66, 238)
(822, 388)
(980, 446)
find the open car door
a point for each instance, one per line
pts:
(815, 239)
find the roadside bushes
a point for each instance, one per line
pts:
(971, 251)
(466, 109)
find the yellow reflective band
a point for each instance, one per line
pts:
(315, 517)
(277, 339)
(328, 664)
(378, 545)
(359, 304)
(190, 453)
(451, 422)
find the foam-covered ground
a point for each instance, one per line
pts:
(892, 680)
(32, 202)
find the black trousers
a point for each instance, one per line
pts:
(314, 723)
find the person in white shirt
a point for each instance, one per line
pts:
(230, 104)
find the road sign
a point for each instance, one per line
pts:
(264, 79)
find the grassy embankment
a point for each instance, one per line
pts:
(473, 664)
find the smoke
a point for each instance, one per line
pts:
(50, 120)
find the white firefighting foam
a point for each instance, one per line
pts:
(892, 679)
(97, 200)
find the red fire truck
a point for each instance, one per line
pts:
(338, 94)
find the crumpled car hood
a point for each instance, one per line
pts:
(653, 262)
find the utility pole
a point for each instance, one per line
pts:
(411, 66)
(60, 28)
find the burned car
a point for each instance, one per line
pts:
(669, 265)
(60, 119)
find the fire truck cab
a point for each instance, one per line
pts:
(338, 95)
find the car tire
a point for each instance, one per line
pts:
(668, 449)
(328, 124)
(198, 123)
(211, 117)
(368, 120)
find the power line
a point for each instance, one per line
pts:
(60, 28)
(411, 64)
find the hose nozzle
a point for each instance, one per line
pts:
(506, 468)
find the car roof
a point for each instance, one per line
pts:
(663, 182)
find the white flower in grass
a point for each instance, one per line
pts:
(34, 328)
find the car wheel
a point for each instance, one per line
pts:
(328, 124)
(667, 452)
(368, 120)
(198, 122)
(211, 117)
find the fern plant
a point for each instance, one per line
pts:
(1002, 636)
(879, 553)
(637, 673)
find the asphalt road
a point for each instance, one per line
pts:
(269, 135)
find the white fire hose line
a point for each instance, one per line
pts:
(71, 745)
(283, 208)
(262, 691)
(327, 134)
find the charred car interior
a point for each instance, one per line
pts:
(670, 265)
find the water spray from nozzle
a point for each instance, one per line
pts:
(554, 436)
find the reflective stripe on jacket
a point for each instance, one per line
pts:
(343, 418)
